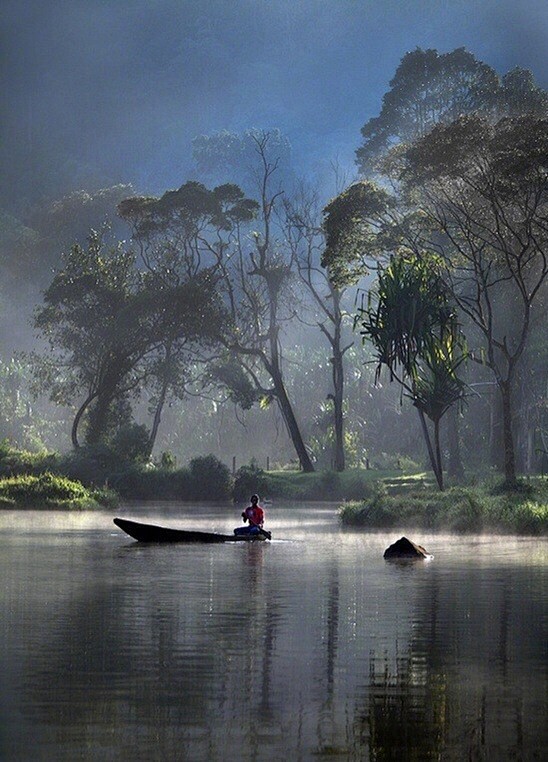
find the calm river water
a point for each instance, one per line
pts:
(311, 647)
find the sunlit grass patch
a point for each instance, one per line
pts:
(458, 509)
(49, 491)
(324, 485)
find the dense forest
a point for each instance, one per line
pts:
(391, 318)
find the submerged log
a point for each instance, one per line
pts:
(404, 548)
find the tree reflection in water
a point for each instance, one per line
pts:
(284, 651)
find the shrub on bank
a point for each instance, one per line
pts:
(206, 478)
(15, 462)
(50, 491)
(248, 480)
(210, 479)
(459, 509)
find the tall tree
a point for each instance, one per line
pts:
(430, 88)
(305, 236)
(427, 88)
(196, 227)
(105, 322)
(483, 189)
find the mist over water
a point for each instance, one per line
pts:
(302, 648)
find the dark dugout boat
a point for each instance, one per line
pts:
(153, 533)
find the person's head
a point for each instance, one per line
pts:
(254, 499)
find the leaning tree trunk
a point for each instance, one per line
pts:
(290, 420)
(160, 405)
(78, 417)
(437, 452)
(157, 418)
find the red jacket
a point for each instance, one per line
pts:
(255, 515)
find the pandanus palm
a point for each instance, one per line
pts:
(413, 328)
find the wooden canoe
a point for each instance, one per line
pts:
(153, 533)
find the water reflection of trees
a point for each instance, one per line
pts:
(405, 714)
(302, 661)
(155, 669)
(453, 691)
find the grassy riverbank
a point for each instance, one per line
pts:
(353, 484)
(370, 498)
(51, 492)
(484, 507)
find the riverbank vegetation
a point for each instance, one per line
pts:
(486, 507)
(204, 478)
(52, 492)
(369, 498)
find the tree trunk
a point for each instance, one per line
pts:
(98, 420)
(161, 401)
(455, 468)
(290, 421)
(439, 462)
(338, 385)
(157, 418)
(78, 417)
(99, 416)
(495, 433)
(433, 462)
(508, 437)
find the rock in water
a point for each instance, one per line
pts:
(404, 548)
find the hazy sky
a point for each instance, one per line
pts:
(123, 86)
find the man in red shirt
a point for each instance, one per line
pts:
(254, 514)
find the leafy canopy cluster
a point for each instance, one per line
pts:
(431, 88)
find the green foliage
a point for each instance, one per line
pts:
(412, 316)
(355, 224)
(168, 461)
(186, 211)
(430, 88)
(137, 482)
(521, 95)
(414, 330)
(14, 462)
(249, 480)
(230, 375)
(459, 509)
(485, 188)
(206, 478)
(323, 485)
(50, 491)
(131, 442)
(71, 217)
(108, 324)
(210, 478)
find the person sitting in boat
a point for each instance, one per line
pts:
(254, 514)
